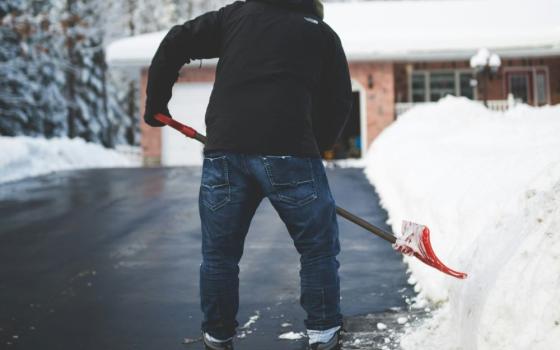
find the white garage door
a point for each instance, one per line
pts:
(188, 106)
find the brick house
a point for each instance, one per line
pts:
(401, 53)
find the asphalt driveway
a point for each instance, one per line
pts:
(108, 259)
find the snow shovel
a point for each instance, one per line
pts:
(413, 241)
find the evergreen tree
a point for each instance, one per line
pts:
(30, 81)
(53, 74)
(85, 76)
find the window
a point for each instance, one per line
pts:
(419, 92)
(519, 86)
(429, 86)
(528, 84)
(465, 87)
(541, 89)
(441, 85)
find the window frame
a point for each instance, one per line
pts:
(532, 71)
(528, 90)
(427, 77)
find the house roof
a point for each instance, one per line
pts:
(415, 30)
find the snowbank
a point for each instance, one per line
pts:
(23, 157)
(488, 186)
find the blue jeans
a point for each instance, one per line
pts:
(233, 185)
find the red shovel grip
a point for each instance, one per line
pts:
(185, 130)
(182, 128)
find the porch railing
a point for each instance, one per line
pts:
(494, 105)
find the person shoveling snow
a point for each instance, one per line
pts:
(282, 96)
(279, 101)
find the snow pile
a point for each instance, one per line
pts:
(488, 186)
(23, 157)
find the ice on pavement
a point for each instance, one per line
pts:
(291, 336)
(23, 157)
(488, 186)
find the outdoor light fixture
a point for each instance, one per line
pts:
(486, 65)
(495, 62)
(370, 81)
(484, 59)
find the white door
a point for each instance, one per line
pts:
(188, 105)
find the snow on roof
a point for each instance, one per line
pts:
(416, 30)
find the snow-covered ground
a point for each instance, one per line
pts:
(488, 186)
(23, 157)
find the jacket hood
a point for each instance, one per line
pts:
(311, 6)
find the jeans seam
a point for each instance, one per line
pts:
(324, 304)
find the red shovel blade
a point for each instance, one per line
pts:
(415, 241)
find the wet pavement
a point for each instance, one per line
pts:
(108, 259)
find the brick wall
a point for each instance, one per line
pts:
(378, 81)
(497, 89)
(196, 74)
(150, 139)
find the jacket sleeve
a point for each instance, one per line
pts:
(333, 104)
(195, 39)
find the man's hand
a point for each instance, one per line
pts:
(150, 117)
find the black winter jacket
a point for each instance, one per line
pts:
(282, 82)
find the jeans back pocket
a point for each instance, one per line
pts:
(291, 178)
(215, 189)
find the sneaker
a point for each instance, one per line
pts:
(334, 344)
(214, 345)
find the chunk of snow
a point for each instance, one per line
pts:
(191, 340)
(291, 336)
(402, 320)
(488, 186)
(252, 320)
(285, 325)
(381, 326)
(481, 58)
(23, 157)
(495, 60)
